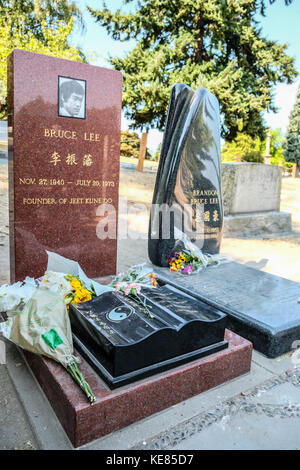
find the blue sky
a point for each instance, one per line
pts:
(281, 24)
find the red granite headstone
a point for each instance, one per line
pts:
(64, 146)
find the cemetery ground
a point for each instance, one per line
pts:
(260, 410)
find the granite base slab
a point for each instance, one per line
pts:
(257, 223)
(114, 410)
(261, 307)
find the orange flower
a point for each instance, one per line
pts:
(153, 280)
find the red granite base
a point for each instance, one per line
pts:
(116, 409)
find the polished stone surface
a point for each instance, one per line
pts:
(261, 307)
(125, 342)
(114, 410)
(61, 168)
(188, 178)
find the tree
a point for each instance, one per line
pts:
(217, 45)
(291, 144)
(30, 15)
(130, 144)
(51, 37)
(249, 148)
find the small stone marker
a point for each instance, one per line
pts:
(64, 141)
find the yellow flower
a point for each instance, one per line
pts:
(82, 295)
(75, 283)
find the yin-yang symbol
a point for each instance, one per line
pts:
(119, 313)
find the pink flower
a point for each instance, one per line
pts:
(120, 286)
(132, 286)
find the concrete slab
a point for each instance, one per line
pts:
(243, 432)
(42, 420)
(283, 394)
(276, 366)
(15, 432)
(259, 419)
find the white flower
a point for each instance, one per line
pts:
(56, 282)
(11, 296)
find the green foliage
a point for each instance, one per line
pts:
(28, 16)
(36, 27)
(276, 149)
(249, 148)
(292, 139)
(253, 150)
(130, 145)
(217, 45)
(157, 152)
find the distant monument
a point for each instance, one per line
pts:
(267, 155)
(64, 140)
(251, 199)
(188, 180)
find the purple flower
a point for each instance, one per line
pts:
(187, 269)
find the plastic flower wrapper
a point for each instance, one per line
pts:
(13, 297)
(187, 258)
(131, 282)
(64, 266)
(139, 273)
(43, 327)
(69, 286)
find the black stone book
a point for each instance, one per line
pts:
(124, 341)
(189, 178)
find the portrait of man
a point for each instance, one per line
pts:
(71, 97)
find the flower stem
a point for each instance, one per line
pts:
(80, 380)
(139, 301)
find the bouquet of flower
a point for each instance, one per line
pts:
(38, 320)
(187, 262)
(130, 284)
(187, 258)
(72, 287)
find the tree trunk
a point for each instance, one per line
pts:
(296, 171)
(142, 152)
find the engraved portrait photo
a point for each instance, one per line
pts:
(71, 97)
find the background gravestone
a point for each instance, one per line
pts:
(64, 141)
(251, 197)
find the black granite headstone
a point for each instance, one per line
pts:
(261, 307)
(124, 343)
(188, 180)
